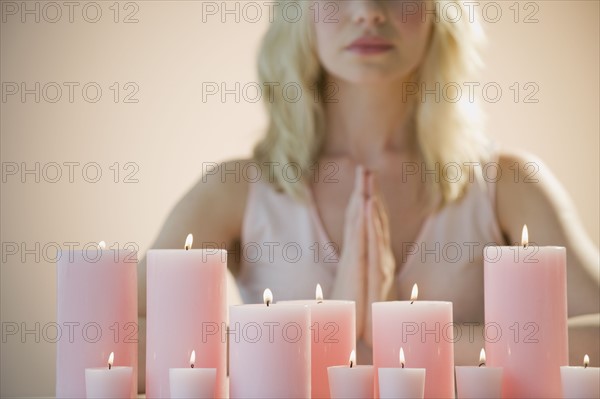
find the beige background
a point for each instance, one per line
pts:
(170, 131)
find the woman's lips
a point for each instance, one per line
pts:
(369, 49)
(370, 45)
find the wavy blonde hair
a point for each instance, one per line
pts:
(447, 132)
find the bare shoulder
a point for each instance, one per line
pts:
(227, 177)
(528, 193)
(524, 174)
(222, 191)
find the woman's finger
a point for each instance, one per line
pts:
(374, 191)
(386, 252)
(381, 262)
(383, 217)
(377, 247)
(373, 246)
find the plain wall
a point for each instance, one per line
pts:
(170, 131)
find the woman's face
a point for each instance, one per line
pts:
(402, 27)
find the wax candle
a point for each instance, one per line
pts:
(580, 382)
(526, 317)
(269, 350)
(97, 312)
(109, 382)
(480, 381)
(333, 328)
(186, 309)
(426, 332)
(190, 382)
(401, 382)
(351, 381)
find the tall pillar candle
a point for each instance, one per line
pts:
(269, 350)
(526, 317)
(186, 310)
(97, 312)
(426, 332)
(333, 336)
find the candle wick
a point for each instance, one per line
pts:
(351, 363)
(585, 366)
(411, 302)
(192, 365)
(109, 366)
(402, 365)
(481, 364)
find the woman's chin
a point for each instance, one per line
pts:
(372, 75)
(371, 79)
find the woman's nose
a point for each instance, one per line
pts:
(367, 12)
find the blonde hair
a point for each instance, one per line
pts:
(447, 132)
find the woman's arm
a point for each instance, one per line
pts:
(212, 210)
(536, 198)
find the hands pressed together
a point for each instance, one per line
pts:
(366, 265)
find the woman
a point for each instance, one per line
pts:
(366, 179)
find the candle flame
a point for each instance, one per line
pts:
(111, 359)
(482, 357)
(524, 236)
(319, 293)
(102, 245)
(352, 359)
(188, 241)
(586, 361)
(192, 359)
(415, 293)
(267, 297)
(401, 357)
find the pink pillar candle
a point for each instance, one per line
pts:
(109, 382)
(333, 331)
(97, 311)
(191, 382)
(269, 350)
(479, 382)
(426, 332)
(580, 382)
(186, 310)
(401, 382)
(526, 317)
(351, 381)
